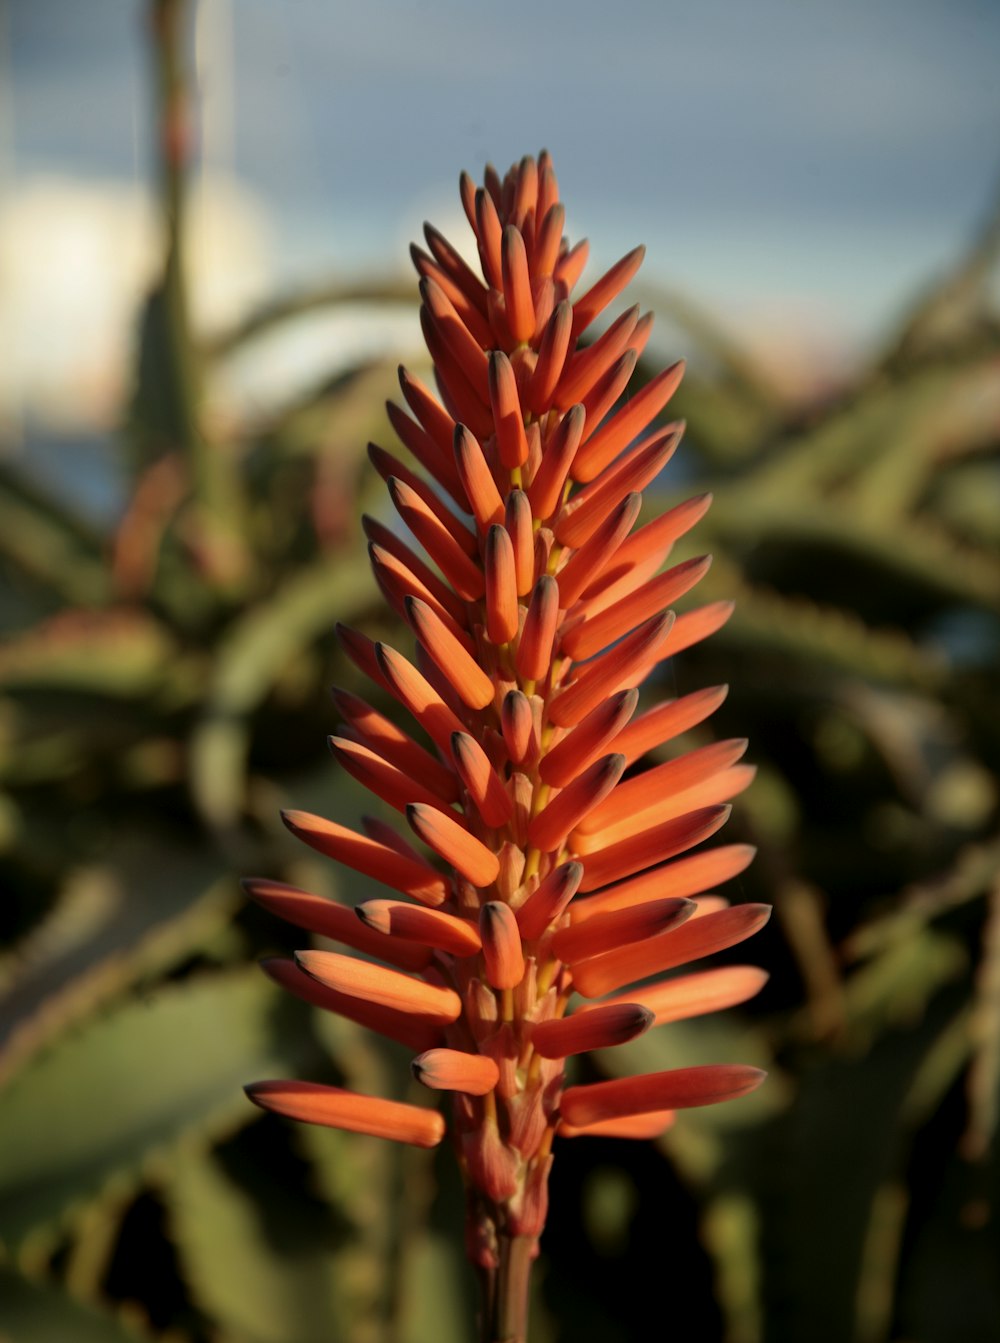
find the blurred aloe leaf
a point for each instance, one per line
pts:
(120, 1090)
(253, 653)
(897, 985)
(257, 1254)
(435, 1302)
(120, 653)
(337, 293)
(112, 924)
(33, 1311)
(819, 1173)
(42, 537)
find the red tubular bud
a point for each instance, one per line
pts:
(721, 786)
(380, 777)
(641, 1128)
(597, 553)
(417, 695)
(595, 1029)
(655, 845)
(643, 554)
(684, 877)
(645, 791)
(385, 834)
(570, 265)
(393, 744)
(390, 552)
(637, 923)
(501, 945)
(387, 465)
(517, 725)
(526, 191)
(512, 442)
(328, 919)
(501, 587)
(458, 395)
(426, 451)
(690, 942)
(518, 523)
(534, 649)
(667, 720)
(549, 482)
(554, 822)
(464, 575)
(548, 238)
(470, 312)
(608, 287)
(361, 651)
(473, 686)
(584, 743)
(613, 670)
(452, 263)
(378, 984)
(694, 995)
(603, 395)
(476, 863)
(587, 365)
(549, 901)
(454, 1070)
(366, 855)
(432, 927)
(634, 470)
(516, 285)
(465, 348)
(612, 438)
(552, 351)
(548, 186)
(489, 232)
(481, 779)
(477, 479)
(336, 1108)
(677, 1089)
(436, 421)
(413, 1030)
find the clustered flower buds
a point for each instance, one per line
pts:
(542, 868)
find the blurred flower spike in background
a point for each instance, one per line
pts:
(542, 871)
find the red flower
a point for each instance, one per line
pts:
(543, 610)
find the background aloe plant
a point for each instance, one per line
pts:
(163, 690)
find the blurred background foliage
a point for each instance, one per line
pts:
(163, 690)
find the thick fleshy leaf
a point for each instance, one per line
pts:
(259, 1257)
(127, 1085)
(114, 922)
(255, 650)
(41, 1310)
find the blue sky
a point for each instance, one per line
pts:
(822, 159)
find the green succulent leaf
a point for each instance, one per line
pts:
(42, 537)
(253, 654)
(119, 654)
(39, 1311)
(258, 1256)
(148, 905)
(110, 1097)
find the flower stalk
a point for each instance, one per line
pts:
(545, 871)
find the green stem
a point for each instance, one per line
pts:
(505, 1295)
